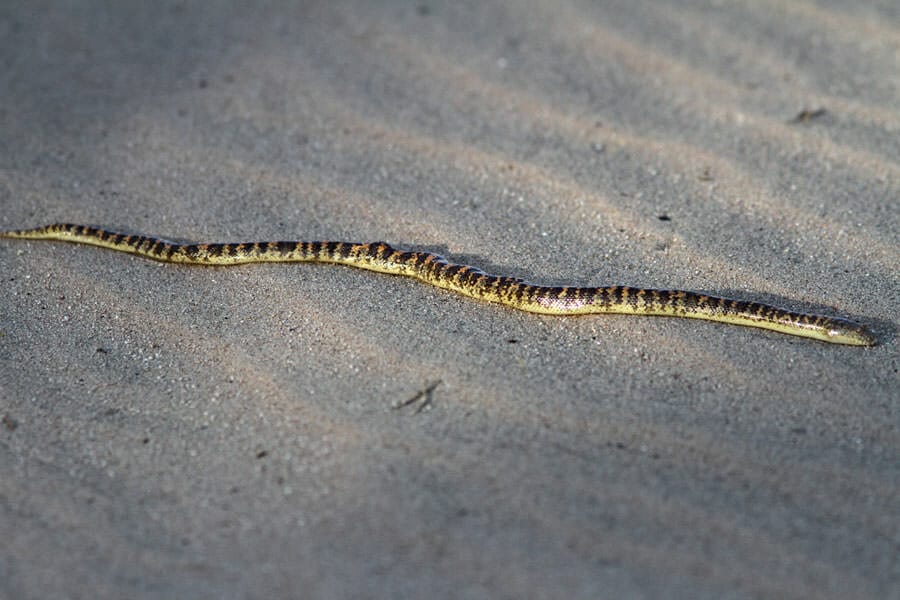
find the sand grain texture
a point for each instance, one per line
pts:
(229, 432)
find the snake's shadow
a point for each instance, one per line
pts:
(489, 267)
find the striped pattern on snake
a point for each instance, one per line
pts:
(470, 281)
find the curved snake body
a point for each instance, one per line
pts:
(470, 281)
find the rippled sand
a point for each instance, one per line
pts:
(171, 431)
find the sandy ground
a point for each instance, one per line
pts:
(178, 432)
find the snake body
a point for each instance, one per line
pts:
(470, 281)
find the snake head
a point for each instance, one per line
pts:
(842, 331)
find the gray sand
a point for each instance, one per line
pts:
(178, 432)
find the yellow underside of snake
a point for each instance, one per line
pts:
(470, 281)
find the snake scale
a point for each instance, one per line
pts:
(470, 281)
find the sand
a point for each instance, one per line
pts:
(178, 432)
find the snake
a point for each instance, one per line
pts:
(470, 281)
